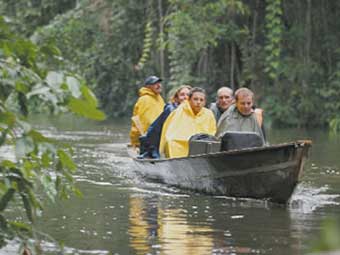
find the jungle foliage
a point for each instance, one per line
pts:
(286, 51)
(34, 167)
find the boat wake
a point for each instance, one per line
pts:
(307, 199)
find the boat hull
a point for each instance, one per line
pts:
(269, 173)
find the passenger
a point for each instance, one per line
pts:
(150, 142)
(259, 117)
(190, 118)
(240, 116)
(224, 99)
(147, 108)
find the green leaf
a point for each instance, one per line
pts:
(38, 137)
(24, 125)
(48, 147)
(6, 198)
(27, 168)
(28, 207)
(45, 159)
(3, 135)
(73, 85)
(3, 223)
(58, 182)
(8, 164)
(20, 226)
(77, 192)
(83, 108)
(33, 200)
(54, 79)
(21, 87)
(275, 65)
(23, 104)
(23, 146)
(49, 188)
(38, 90)
(66, 160)
(50, 50)
(89, 96)
(7, 118)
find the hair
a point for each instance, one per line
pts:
(231, 92)
(243, 92)
(174, 96)
(197, 89)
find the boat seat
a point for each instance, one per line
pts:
(203, 143)
(233, 140)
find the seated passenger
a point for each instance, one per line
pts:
(190, 118)
(224, 99)
(147, 108)
(150, 142)
(259, 113)
(240, 116)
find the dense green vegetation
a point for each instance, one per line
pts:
(35, 166)
(286, 51)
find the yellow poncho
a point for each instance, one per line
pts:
(181, 125)
(147, 108)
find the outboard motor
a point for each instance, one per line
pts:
(203, 143)
(233, 140)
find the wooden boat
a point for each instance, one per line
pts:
(270, 172)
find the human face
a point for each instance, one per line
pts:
(182, 95)
(244, 104)
(156, 88)
(224, 99)
(197, 102)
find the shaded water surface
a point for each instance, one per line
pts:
(122, 214)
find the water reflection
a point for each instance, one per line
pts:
(140, 230)
(151, 224)
(218, 225)
(182, 237)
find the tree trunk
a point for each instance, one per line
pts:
(253, 43)
(161, 32)
(232, 65)
(325, 18)
(308, 32)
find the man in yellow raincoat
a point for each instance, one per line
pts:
(190, 118)
(148, 107)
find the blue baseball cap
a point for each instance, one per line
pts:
(152, 80)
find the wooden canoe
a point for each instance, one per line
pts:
(270, 172)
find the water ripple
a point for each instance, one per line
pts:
(156, 192)
(307, 199)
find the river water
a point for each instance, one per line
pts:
(123, 214)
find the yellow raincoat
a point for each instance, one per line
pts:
(181, 125)
(147, 108)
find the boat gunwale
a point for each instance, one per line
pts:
(298, 143)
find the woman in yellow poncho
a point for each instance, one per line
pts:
(190, 118)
